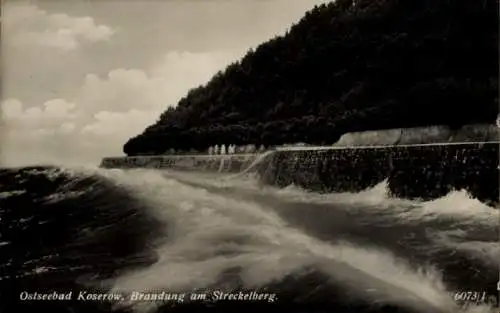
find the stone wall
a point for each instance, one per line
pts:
(418, 171)
(421, 163)
(420, 135)
(202, 163)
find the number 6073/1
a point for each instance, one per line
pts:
(475, 296)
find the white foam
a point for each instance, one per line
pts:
(261, 157)
(487, 252)
(374, 207)
(456, 205)
(6, 194)
(212, 233)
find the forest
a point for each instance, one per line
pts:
(350, 65)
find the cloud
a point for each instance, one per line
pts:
(163, 85)
(105, 112)
(50, 115)
(76, 87)
(27, 25)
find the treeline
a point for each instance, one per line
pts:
(345, 66)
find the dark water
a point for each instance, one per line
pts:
(114, 231)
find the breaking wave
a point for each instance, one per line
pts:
(140, 230)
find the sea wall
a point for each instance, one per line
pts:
(412, 171)
(421, 163)
(420, 135)
(203, 163)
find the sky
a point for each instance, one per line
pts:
(79, 78)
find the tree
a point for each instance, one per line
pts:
(346, 66)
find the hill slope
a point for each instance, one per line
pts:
(346, 66)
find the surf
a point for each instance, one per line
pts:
(196, 235)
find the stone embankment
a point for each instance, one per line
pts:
(421, 163)
(204, 163)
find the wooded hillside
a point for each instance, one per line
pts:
(346, 66)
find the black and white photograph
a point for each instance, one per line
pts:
(296, 156)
